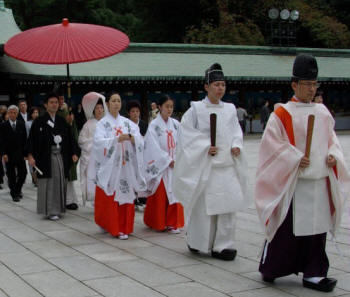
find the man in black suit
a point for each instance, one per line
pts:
(22, 115)
(13, 148)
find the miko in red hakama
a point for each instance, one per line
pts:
(163, 211)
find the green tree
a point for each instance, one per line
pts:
(232, 28)
(322, 23)
(167, 21)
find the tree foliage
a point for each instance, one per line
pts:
(322, 23)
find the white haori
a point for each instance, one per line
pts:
(160, 144)
(221, 180)
(279, 177)
(117, 166)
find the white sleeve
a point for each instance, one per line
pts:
(237, 131)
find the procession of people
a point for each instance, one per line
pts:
(191, 176)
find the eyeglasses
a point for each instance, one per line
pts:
(315, 85)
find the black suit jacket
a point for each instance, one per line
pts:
(143, 127)
(14, 143)
(20, 118)
(41, 139)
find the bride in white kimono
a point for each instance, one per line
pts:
(163, 211)
(211, 181)
(117, 158)
(94, 107)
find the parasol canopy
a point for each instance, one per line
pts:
(66, 43)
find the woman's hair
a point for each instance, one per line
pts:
(32, 111)
(110, 94)
(131, 104)
(163, 99)
(99, 102)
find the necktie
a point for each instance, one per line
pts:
(14, 127)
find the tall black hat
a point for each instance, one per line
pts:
(305, 67)
(214, 73)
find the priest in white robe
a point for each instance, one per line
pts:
(299, 198)
(117, 158)
(94, 107)
(209, 180)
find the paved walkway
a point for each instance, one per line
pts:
(73, 257)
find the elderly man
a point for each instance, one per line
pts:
(14, 141)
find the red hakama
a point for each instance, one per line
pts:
(111, 216)
(159, 214)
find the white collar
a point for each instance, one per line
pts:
(208, 102)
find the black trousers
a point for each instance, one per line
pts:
(2, 172)
(287, 254)
(16, 173)
(242, 124)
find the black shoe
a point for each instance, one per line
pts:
(20, 195)
(325, 285)
(16, 199)
(226, 255)
(1, 187)
(268, 279)
(72, 206)
(195, 251)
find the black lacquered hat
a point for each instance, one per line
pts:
(214, 73)
(305, 67)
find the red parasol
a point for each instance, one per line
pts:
(66, 43)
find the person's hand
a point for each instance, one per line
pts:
(213, 150)
(31, 161)
(75, 158)
(305, 162)
(331, 161)
(172, 163)
(123, 137)
(235, 151)
(6, 158)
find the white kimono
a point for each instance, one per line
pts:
(85, 140)
(86, 137)
(117, 166)
(317, 192)
(210, 186)
(160, 144)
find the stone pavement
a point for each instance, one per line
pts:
(74, 257)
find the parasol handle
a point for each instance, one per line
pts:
(68, 84)
(310, 129)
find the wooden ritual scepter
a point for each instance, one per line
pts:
(213, 129)
(310, 129)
